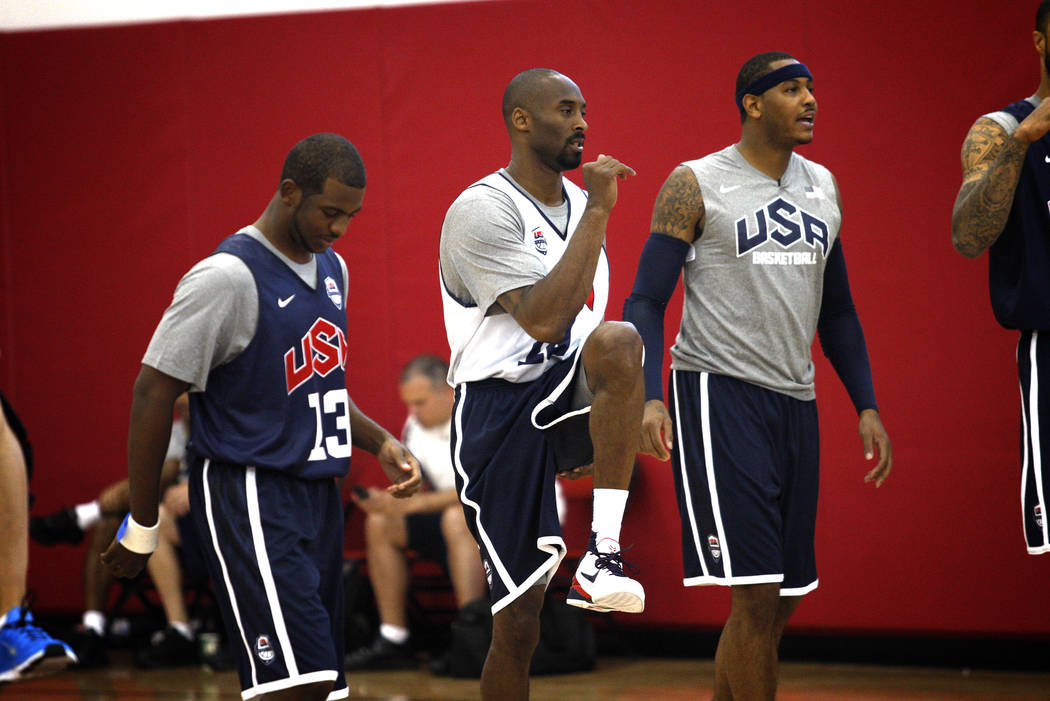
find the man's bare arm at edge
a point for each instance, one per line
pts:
(991, 161)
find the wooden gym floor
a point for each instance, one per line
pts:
(615, 679)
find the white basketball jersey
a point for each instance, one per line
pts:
(496, 346)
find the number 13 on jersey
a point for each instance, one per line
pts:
(334, 403)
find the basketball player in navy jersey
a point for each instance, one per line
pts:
(755, 227)
(543, 384)
(257, 333)
(1002, 208)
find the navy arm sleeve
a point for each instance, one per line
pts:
(841, 335)
(654, 283)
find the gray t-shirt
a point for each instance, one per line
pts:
(481, 245)
(755, 277)
(213, 314)
(1006, 120)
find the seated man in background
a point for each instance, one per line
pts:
(25, 649)
(430, 523)
(102, 517)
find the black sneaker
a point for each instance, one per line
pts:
(168, 648)
(382, 654)
(90, 647)
(59, 527)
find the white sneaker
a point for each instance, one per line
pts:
(600, 583)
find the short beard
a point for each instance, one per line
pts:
(569, 161)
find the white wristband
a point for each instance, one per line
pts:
(136, 537)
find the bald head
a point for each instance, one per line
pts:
(526, 90)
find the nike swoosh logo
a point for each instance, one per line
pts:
(589, 577)
(723, 189)
(282, 303)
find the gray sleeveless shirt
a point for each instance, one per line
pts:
(754, 278)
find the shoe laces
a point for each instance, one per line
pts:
(24, 623)
(614, 562)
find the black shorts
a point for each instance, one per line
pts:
(746, 470)
(1033, 358)
(191, 556)
(508, 441)
(273, 544)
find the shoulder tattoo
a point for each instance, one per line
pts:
(679, 208)
(982, 144)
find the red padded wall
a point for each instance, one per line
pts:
(130, 152)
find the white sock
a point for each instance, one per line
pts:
(183, 628)
(94, 620)
(395, 634)
(607, 515)
(87, 514)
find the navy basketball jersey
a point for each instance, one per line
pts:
(1019, 260)
(282, 403)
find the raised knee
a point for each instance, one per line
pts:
(616, 348)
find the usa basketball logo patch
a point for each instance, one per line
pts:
(712, 545)
(1039, 515)
(333, 292)
(539, 241)
(264, 650)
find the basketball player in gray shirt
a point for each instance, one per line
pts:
(755, 227)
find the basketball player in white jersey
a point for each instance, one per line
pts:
(543, 384)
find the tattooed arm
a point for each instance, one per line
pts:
(678, 219)
(991, 161)
(679, 208)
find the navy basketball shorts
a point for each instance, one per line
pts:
(191, 554)
(746, 471)
(1033, 363)
(506, 441)
(273, 545)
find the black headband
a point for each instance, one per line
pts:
(759, 86)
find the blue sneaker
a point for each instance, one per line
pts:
(600, 583)
(26, 650)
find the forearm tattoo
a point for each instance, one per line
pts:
(679, 208)
(992, 166)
